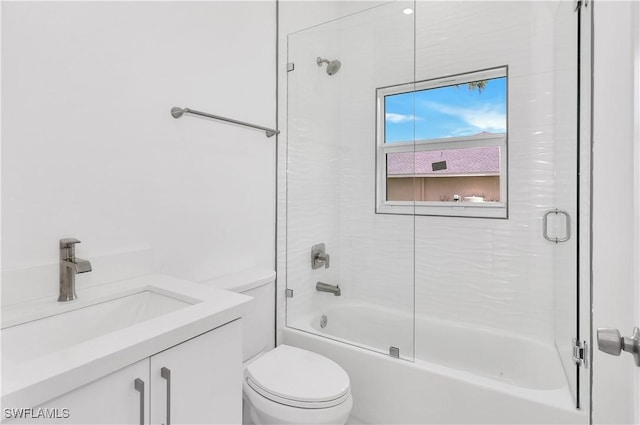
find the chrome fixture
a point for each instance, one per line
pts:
(178, 112)
(319, 257)
(323, 321)
(545, 226)
(332, 66)
(138, 384)
(166, 374)
(69, 267)
(580, 350)
(325, 287)
(610, 342)
(394, 352)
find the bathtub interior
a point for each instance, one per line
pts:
(375, 327)
(392, 391)
(463, 347)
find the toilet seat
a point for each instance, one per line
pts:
(298, 378)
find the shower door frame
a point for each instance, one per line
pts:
(584, 55)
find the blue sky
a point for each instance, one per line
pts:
(446, 112)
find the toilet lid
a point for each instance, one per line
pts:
(299, 378)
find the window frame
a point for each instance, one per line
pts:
(440, 208)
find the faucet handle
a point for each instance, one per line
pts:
(68, 242)
(68, 248)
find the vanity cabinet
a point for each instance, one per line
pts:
(109, 400)
(204, 380)
(198, 381)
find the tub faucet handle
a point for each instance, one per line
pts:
(325, 259)
(319, 257)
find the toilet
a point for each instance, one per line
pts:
(283, 385)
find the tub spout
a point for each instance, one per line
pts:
(325, 287)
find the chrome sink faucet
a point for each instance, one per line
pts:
(69, 267)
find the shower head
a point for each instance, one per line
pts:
(332, 66)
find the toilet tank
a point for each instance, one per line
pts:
(258, 326)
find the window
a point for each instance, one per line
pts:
(442, 146)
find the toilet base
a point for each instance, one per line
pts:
(257, 409)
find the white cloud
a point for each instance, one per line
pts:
(486, 118)
(398, 118)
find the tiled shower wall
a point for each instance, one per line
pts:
(487, 272)
(500, 273)
(319, 216)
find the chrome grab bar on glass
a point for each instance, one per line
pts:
(178, 112)
(545, 226)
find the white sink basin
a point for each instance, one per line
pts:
(50, 347)
(36, 338)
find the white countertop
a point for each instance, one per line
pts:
(34, 381)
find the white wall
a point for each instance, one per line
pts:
(89, 149)
(614, 260)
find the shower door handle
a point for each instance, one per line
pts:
(545, 226)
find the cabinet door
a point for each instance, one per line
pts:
(112, 399)
(200, 380)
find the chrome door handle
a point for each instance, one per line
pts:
(166, 374)
(138, 384)
(610, 342)
(545, 226)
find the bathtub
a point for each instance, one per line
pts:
(477, 376)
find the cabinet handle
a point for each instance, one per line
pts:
(138, 384)
(166, 374)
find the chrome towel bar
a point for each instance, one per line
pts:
(178, 112)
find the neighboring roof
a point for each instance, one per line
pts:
(481, 160)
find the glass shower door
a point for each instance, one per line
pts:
(455, 225)
(334, 235)
(562, 218)
(507, 274)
